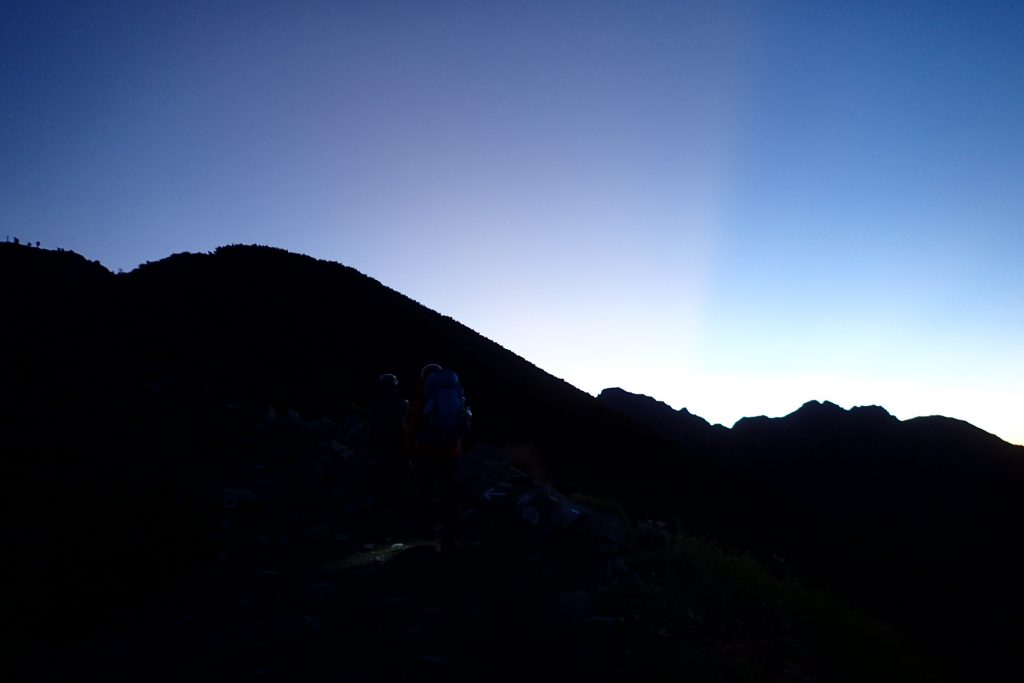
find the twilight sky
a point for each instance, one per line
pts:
(732, 206)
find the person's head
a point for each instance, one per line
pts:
(428, 370)
(387, 383)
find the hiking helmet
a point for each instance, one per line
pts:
(387, 380)
(429, 368)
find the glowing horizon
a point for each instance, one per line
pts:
(731, 207)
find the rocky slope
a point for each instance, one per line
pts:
(289, 568)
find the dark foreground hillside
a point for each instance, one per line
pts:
(190, 495)
(259, 552)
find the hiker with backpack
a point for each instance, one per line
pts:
(437, 424)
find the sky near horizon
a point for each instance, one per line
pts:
(734, 207)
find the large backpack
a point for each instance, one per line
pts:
(443, 409)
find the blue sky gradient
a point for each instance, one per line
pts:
(732, 206)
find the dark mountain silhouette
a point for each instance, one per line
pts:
(132, 405)
(260, 325)
(197, 425)
(688, 430)
(912, 517)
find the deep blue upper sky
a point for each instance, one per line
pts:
(733, 206)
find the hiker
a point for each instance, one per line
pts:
(436, 426)
(387, 431)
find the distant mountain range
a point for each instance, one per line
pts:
(916, 520)
(934, 494)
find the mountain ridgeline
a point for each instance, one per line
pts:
(911, 517)
(267, 327)
(115, 390)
